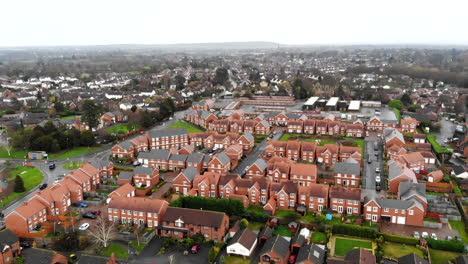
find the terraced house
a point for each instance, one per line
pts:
(168, 138)
(137, 210)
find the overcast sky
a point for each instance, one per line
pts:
(91, 22)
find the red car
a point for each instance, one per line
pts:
(292, 259)
(195, 249)
(96, 212)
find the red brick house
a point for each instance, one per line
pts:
(176, 162)
(182, 183)
(206, 185)
(409, 125)
(398, 173)
(275, 250)
(395, 152)
(186, 150)
(347, 173)
(168, 138)
(435, 176)
(278, 147)
(184, 222)
(137, 210)
(247, 141)
(375, 124)
(126, 190)
(303, 174)
(145, 177)
(309, 126)
(394, 211)
(257, 169)
(281, 119)
(249, 126)
(413, 160)
(227, 185)
(82, 179)
(327, 154)
(285, 194)
(350, 152)
(393, 137)
(140, 144)
(314, 196)
(308, 151)
(296, 126)
(278, 169)
(110, 118)
(27, 217)
(335, 128)
(293, 150)
(10, 245)
(345, 200)
(355, 130)
(105, 168)
(92, 172)
(220, 125)
(234, 152)
(56, 199)
(195, 160)
(262, 128)
(125, 149)
(156, 158)
(220, 164)
(321, 127)
(237, 126)
(76, 191)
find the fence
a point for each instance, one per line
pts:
(432, 224)
(439, 187)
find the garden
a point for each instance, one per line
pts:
(119, 251)
(344, 245)
(23, 177)
(396, 250)
(190, 128)
(123, 128)
(441, 256)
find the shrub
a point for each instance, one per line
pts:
(243, 223)
(448, 245)
(225, 205)
(19, 185)
(354, 230)
(400, 239)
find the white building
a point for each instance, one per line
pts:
(243, 243)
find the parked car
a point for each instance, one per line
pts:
(425, 234)
(51, 166)
(81, 204)
(292, 259)
(434, 236)
(25, 244)
(43, 186)
(449, 238)
(84, 226)
(210, 150)
(458, 238)
(89, 215)
(96, 212)
(271, 136)
(56, 181)
(136, 163)
(416, 235)
(377, 187)
(377, 178)
(377, 169)
(195, 249)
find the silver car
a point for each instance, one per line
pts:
(416, 235)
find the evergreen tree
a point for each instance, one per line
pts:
(19, 185)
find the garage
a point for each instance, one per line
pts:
(401, 220)
(218, 146)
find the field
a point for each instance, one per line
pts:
(190, 128)
(460, 227)
(123, 128)
(32, 177)
(73, 165)
(395, 250)
(73, 152)
(440, 256)
(344, 245)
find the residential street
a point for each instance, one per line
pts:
(376, 162)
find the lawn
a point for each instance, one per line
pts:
(283, 231)
(31, 177)
(190, 128)
(67, 117)
(319, 237)
(344, 245)
(309, 217)
(235, 260)
(137, 247)
(73, 165)
(397, 114)
(460, 227)
(123, 128)
(285, 213)
(396, 250)
(118, 250)
(255, 225)
(14, 154)
(440, 256)
(437, 147)
(431, 219)
(73, 152)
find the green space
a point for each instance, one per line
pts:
(283, 231)
(440, 256)
(437, 147)
(138, 246)
(431, 219)
(118, 250)
(309, 138)
(67, 117)
(68, 153)
(396, 250)
(235, 260)
(123, 128)
(460, 227)
(344, 245)
(319, 237)
(397, 114)
(190, 128)
(285, 213)
(31, 178)
(255, 225)
(73, 165)
(14, 153)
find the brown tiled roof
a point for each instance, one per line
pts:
(309, 146)
(333, 148)
(234, 148)
(223, 180)
(278, 144)
(296, 122)
(309, 122)
(318, 190)
(208, 177)
(89, 169)
(360, 256)
(70, 184)
(137, 204)
(427, 154)
(30, 208)
(348, 149)
(193, 216)
(345, 193)
(304, 169)
(413, 157)
(294, 144)
(122, 191)
(79, 176)
(245, 237)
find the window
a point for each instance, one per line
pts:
(311, 206)
(356, 202)
(376, 209)
(355, 210)
(320, 200)
(292, 195)
(368, 216)
(410, 212)
(386, 210)
(340, 201)
(254, 192)
(369, 208)
(205, 227)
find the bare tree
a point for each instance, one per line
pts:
(103, 231)
(8, 147)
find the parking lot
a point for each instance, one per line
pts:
(404, 230)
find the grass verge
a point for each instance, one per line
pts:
(119, 251)
(460, 227)
(73, 152)
(73, 165)
(31, 177)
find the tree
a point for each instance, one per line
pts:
(68, 242)
(134, 108)
(87, 138)
(19, 185)
(102, 232)
(243, 223)
(396, 104)
(8, 147)
(413, 108)
(406, 99)
(146, 120)
(91, 113)
(339, 92)
(39, 96)
(49, 128)
(180, 82)
(221, 76)
(59, 107)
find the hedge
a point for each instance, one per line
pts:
(400, 239)
(355, 230)
(225, 205)
(447, 245)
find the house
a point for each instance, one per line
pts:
(182, 183)
(435, 176)
(92, 172)
(321, 127)
(409, 125)
(206, 185)
(398, 173)
(303, 174)
(429, 158)
(299, 239)
(419, 138)
(247, 141)
(227, 185)
(347, 173)
(413, 192)
(311, 254)
(264, 235)
(355, 130)
(278, 148)
(82, 179)
(262, 128)
(275, 250)
(397, 211)
(184, 222)
(26, 218)
(313, 197)
(10, 246)
(220, 163)
(257, 169)
(168, 138)
(105, 168)
(186, 150)
(220, 125)
(234, 152)
(76, 191)
(327, 154)
(360, 256)
(413, 160)
(347, 152)
(126, 190)
(393, 137)
(195, 160)
(375, 124)
(395, 152)
(293, 150)
(176, 162)
(345, 200)
(412, 258)
(243, 243)
(296, 126)
(125, 149)
(140, 144)
(278, 169)
(249, 126)
(145, 176)
(237, 126)
(137, 210)
(110, 118)
(285, 194)
(56, 199)
(308, 151)
(156, 158)
(309, 126)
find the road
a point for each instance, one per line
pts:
(376, 162)
(253, 156)
(51, 175)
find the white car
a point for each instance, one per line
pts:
(56, 181)
(377, 178)
(377, 170)
(424, 234)
(434, 236)
(84, 226)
